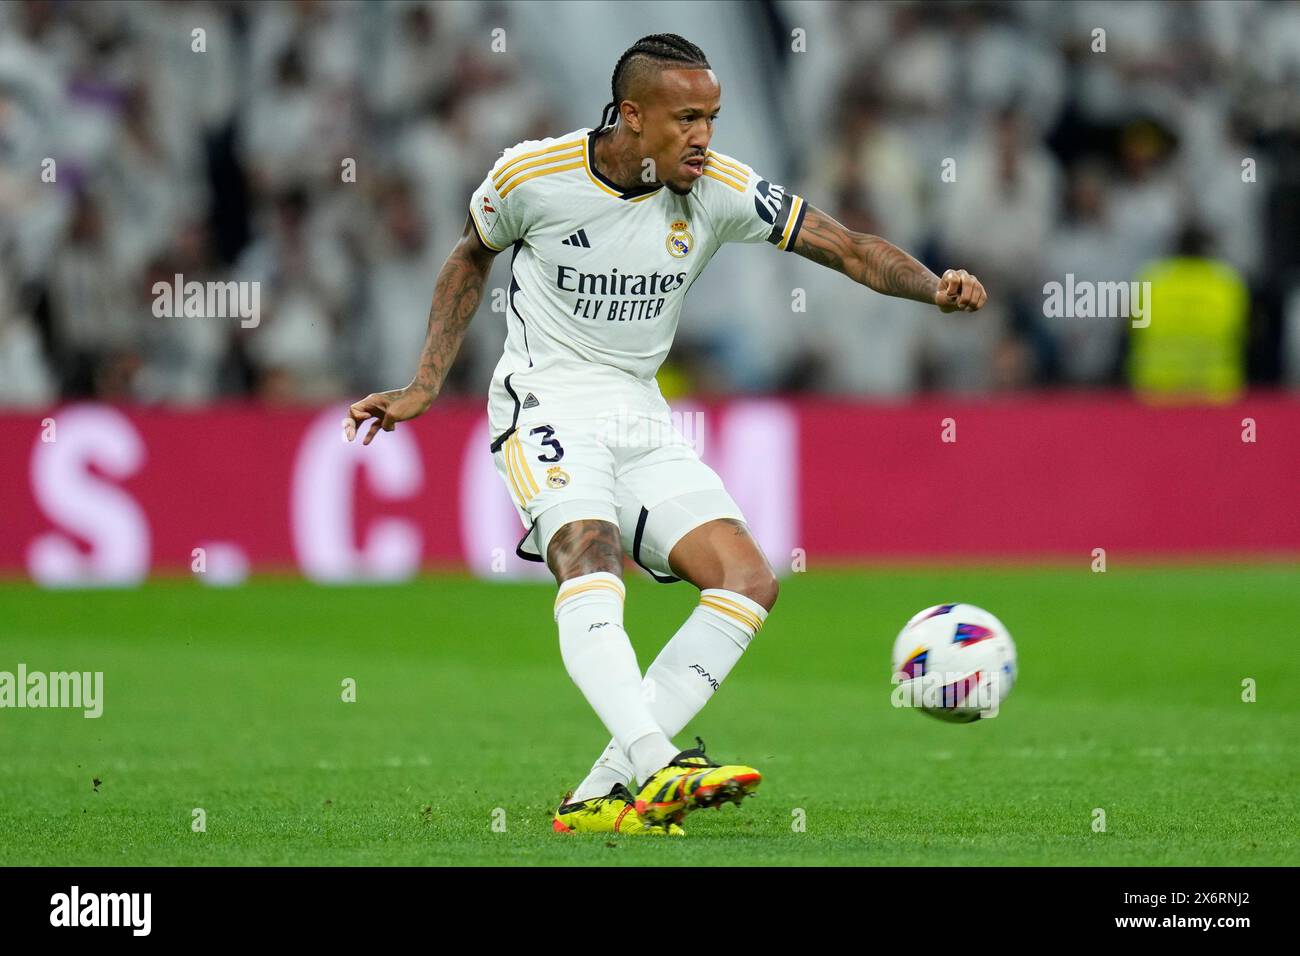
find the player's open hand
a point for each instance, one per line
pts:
(387, 409)
(959, 291)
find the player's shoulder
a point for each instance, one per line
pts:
(744, 204)
(730, 175)
(533, 161)
(731, 186)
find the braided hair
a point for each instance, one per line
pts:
(663, 48)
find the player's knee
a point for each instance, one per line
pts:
(756, 582)
(585, 547)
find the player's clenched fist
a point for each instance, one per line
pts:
(958, 289)
(387, 409)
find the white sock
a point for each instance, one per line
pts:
(683, 677)
(600, 660)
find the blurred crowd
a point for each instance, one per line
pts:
(327, 150)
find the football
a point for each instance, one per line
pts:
(956, 662)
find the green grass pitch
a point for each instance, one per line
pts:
(1129, 700)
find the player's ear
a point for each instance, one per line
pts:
(631, 116)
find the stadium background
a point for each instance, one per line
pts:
(142, 451)
(1181, 139)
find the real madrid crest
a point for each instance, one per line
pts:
(556, 477)
(679, 240)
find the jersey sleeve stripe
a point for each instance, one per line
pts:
(538, 172)
(792, 228)
(725, 168)
(502, 173)
(726, 165)
(500, 183)
(720, 177)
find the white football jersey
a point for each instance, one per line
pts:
(599, 273)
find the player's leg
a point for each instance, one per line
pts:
(586, 557)
(737, 589)
(721, 555)
(679, 523)
(561, 477)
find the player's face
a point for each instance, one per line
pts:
(678, 124)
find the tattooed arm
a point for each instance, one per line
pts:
(884, 267)
(456, 296)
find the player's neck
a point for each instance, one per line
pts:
(618, 158)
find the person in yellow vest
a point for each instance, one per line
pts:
(1187, 338)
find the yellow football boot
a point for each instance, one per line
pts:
(613, 813)
(689, 782)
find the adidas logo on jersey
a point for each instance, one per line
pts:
(579, 238)
(531, 401)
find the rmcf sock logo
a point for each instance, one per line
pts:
(102, 909)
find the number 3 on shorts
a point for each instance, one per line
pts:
(549, 439)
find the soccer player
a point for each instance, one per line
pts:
(608, 228)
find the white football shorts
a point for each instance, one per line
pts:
(628, 465)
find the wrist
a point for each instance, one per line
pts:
(423, 392)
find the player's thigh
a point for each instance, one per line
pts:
(679, 522)
(561, 479)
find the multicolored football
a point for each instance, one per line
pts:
(956, 662)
